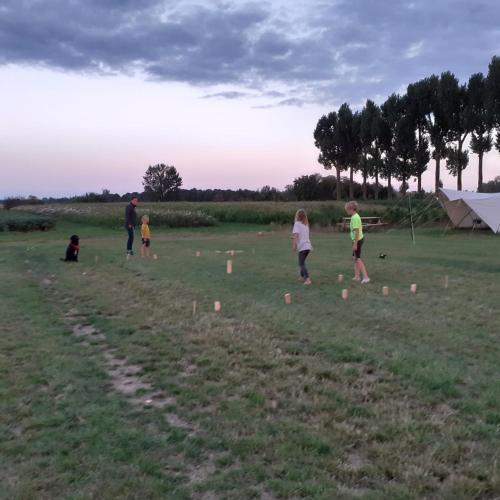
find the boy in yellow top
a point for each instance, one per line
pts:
(357, 242)
(145, 235)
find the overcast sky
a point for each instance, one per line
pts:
(93, 91)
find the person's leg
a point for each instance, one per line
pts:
(143, 248)
(304, 271)
(130, 240)
(301, 265)
(362, 269)
(356, 268)
(147, 248)
(360, 263)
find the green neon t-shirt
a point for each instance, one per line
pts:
(356, 224)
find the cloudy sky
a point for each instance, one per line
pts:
(93, 91)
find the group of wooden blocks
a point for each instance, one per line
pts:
(288, 296)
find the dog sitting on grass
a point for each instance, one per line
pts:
(73, 249)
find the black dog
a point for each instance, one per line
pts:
(73, 249)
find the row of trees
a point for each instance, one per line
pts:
(397, 140)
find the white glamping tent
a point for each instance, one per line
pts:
(472, 210)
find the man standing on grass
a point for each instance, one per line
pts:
(130, 223)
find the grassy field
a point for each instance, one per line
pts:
(112, 386)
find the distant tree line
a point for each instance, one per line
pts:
(397, 140)
(304, 188)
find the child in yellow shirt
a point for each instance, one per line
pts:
(145, 235)
(357, 242)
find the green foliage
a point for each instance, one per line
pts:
(21, 221)
(337, 137)
(9, 203)
(111, 215)
(493, 89)
(180, 214)
(161, 182)
(322, 214)
(492, 186)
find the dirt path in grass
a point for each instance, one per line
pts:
(126, 378)
(131, 382)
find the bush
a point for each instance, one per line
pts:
(180, 218)
(112, 215)
(9, 203)
(193, 214)
(19, 221)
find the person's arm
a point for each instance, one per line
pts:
(295, 237)
(128, 216)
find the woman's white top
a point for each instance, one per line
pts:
(302, 230)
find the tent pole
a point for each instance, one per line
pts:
(411, 219)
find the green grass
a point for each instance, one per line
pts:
(378, 397)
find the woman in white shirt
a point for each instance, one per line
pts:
(301, 243)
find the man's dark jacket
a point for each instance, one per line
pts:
(130, 216)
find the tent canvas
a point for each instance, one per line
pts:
(472, 210)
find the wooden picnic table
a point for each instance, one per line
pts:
(368, 223)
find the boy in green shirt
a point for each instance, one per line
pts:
(357, 242)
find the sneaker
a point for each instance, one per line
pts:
(356, 279)
(308, 281)
(365, 280)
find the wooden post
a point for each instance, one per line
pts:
(194, 307)
(446, 281)
(231, 253)
(288, 298)
(155, 257)
(217, 306)
(198, 253)
(345, 293)
(340, 279)
(229, 267)
(96, 259)
(385, 291)
(413, 288)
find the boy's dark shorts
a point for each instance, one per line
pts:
(146, 242)
(357, 253)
